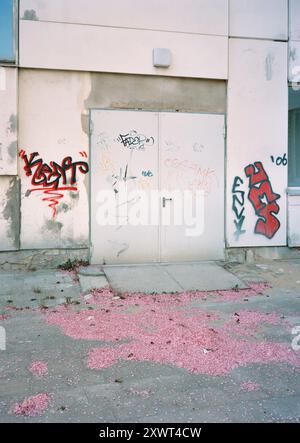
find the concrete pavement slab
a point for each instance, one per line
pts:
(158, 278)
(87, 282)
(141, 278)
(203, 276)
(36, 289)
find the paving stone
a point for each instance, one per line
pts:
(171, 277)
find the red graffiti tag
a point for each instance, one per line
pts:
(263, 200)
(53, 178)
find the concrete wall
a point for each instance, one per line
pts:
(54, 121)
(60, 80)
(257, 132)
(50, 108)
(294, 77)
(156, 93)
(9, 184)
(267, 19)
(294, 19)
(65, 29)
(294, 43)
(293, 220)
(8, 121)
(197, 17)
(9, 213)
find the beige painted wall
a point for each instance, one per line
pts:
(267, 19)
(121, 34)
(9, 184)
(294, 19)
(8, 121)
(198, 17)
(294, 42)
(54, 121)
(9, 213)
(257, 132)
(64, 46)
(50, 106)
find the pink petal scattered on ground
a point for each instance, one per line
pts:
(254, 317)
(247, 323)
(4, 317)
(230, 354)
(38, 368)
(143, 393)
(250, 386)
(237, 294)
(32, 406)
(168, 329)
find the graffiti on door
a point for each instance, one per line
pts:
(262, 198)
(122, 177)
(147, 173)
(194, 176)
(53, 178)
(134, 140)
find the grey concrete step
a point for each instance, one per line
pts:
(158, 278)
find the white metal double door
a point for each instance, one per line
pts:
(145, 166)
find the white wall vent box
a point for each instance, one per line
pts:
(161, 57)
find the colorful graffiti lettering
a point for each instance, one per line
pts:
(263, 199)
(191, 175)
(143, 183)
(53, 178)
(238, 201)
(106, 163)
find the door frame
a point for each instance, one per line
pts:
(90, 126)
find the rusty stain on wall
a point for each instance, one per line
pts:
(53, 226)
(85, 122)
(84, 91)
(74, 195)
(12, 124)
(63, 207)
(30, 14)
(11, 211)
(12, 150)
(292, 54)
(269, 66)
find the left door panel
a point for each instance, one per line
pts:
(124, 167)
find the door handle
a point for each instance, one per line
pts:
(164, 199)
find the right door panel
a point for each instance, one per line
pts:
(192, 159)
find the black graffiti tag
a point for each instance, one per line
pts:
(238, 201)
(280, 160)
(122, 177)
(134, 140)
